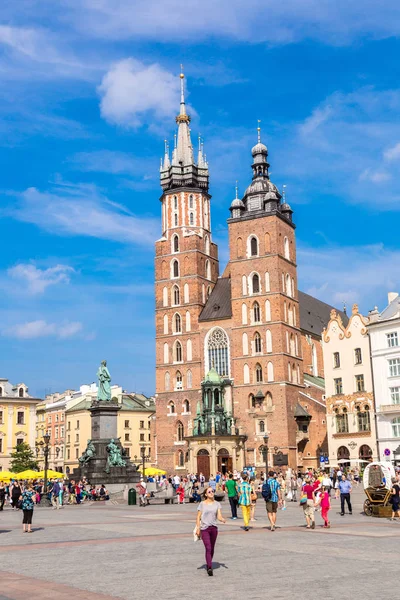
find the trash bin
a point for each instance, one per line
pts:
(132, 496)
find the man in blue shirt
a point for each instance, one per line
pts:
(345, 490)
(272, 504)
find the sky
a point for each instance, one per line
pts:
(89, 90)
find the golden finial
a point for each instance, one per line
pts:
(259, 131)
(182, 74)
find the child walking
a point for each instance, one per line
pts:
(325, 503)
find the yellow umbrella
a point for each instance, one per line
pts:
(28, 474)
(149, 471)
(50, 474)
(7, 475)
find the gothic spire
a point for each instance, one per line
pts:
(182, 170)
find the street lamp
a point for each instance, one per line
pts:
(46, 440)
(143, 456)
(266, 438)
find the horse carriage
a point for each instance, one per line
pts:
(377, 480)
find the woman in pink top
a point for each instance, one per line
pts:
(325, 503)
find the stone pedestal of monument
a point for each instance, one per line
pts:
(104, 417)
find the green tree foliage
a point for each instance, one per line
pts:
(23, 458)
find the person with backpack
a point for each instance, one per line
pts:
(231, 488)
(271, 492)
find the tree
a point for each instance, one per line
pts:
(23, 458)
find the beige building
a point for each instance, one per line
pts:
(349, 390)
(134, 424)
(17, 419)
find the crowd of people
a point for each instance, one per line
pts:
(312, 490)
(24, 495)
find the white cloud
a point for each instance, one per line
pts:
(363, 274)
(82, 210)
(133, 93)
(287, 22)
(341, 147)
(40, 328)
(37, 280)
(392, 153)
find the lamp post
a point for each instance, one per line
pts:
(144, 457)
(46, 440)
(266, 438)
(57, 455)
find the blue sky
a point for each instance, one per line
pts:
(89, 90)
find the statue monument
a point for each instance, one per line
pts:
(104, 459)
(104, 388)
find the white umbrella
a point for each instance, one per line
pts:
(343, 460)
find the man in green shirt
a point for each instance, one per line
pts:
(230, 486)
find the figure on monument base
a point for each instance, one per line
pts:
(88, 454)
(114, 458)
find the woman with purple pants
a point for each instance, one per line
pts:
(208, 514)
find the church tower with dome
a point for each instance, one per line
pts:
(228, 348)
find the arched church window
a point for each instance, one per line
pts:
(167, 381)
(261, 426)
(288, 285)
(256, 313)
(268, 337)
(189, 379)
(257, 343)
(21, 392)
(187, 320)
(267, 243)
(218, 351)
(253, 246)
(208, 269)
(191, 218)
(166, 353)
(181, 459)
(186, 406)
(175, 268)
(178, 379)
(178, 323)
(165, 324)
(165, 296)
(191, 201)
(255, 283)
(259, 373)
(267, 282)
(207, 244)
(286, 248)
(252, 401)
(176, 202)
(176, 219)
(175, 243)
(245, 344)
(270, 371)
(176, 295)
(180, 432)
(171, 408)
(178, 352)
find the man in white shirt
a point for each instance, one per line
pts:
(176, 479)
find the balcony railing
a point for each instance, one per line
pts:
(390, 408)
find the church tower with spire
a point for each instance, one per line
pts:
(186, 269)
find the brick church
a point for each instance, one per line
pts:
(238, 355)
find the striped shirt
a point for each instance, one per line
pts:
(244, 491)
(274, 487)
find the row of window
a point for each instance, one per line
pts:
(177, 323)
(357, 358)
(185, 408)
(253, 246)
(21, 392)
(178, 381)
(392, 339)
(175, 246)
(20, 417)
(175, 269)
(358, 381)
(363, 419)
(257, 373)
(177, 352)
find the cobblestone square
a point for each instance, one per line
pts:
(107, 551)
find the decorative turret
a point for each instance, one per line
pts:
(261, 196)
(183, 170)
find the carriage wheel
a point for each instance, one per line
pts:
(368, 508)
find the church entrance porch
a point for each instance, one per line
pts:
(203, 463)
(224, 461)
